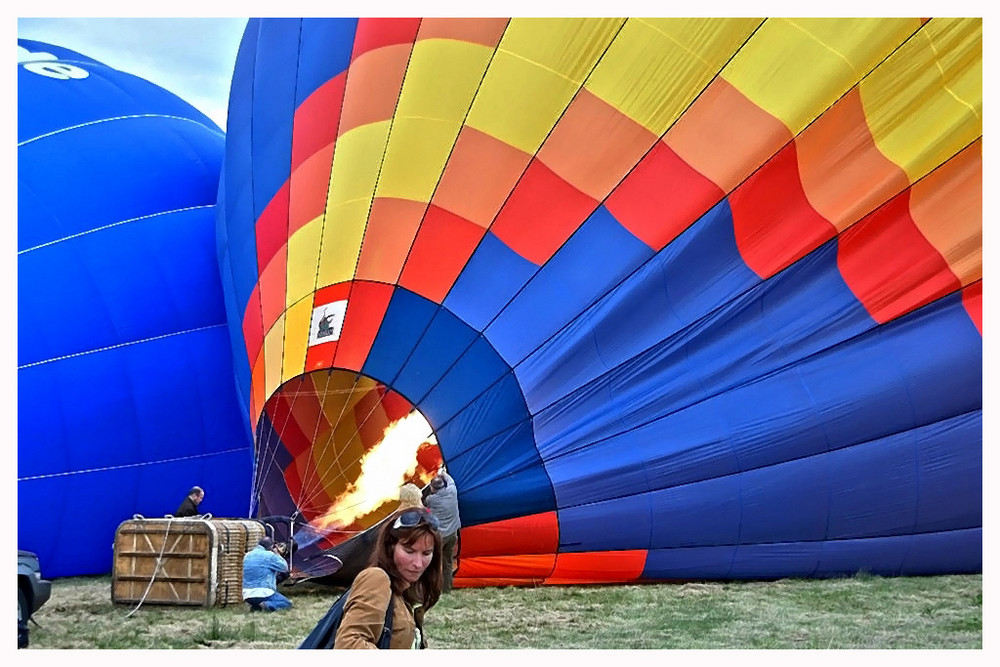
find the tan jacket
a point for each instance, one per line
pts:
(364, 613)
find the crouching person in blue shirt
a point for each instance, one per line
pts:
(261, 567)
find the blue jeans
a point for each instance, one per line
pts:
(276, 601)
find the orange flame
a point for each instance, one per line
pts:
(386, 467)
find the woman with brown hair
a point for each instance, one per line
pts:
(406, 571)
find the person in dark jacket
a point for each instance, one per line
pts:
(190, 505)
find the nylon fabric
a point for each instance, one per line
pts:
(689, 288)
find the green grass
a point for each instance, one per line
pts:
(862, 612)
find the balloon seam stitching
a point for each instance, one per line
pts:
(108, 120)
(113, 347)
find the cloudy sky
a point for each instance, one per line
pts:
(191, 57)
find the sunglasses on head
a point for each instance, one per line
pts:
(413, 518)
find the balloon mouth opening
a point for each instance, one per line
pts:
(349, 443)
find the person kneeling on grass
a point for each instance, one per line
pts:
(261, 567)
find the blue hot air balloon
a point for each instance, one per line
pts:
(126, 396)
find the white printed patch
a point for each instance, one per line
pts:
(43, 63)
(327, 322)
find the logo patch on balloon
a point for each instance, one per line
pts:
(327, 322)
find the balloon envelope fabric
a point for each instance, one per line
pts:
(126, 395)
(678, 298)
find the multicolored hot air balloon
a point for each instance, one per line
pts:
(125, 389)
(677, 298)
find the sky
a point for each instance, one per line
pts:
(191, 57)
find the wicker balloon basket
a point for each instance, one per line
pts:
(188, 562)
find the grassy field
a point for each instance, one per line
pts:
(862, 612)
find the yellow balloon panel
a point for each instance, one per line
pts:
(568, 47)
(356, 164)
(531, 80)
(442, 79)
(796, 68)
(417, 151)
(924, 104)
(656, 67)
(303, 256)
(297, 320)
(274, 341)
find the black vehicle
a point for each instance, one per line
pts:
(32, 592)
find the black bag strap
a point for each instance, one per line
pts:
(383, 641)
(325, 632)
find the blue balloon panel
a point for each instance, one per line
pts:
(126, 388)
